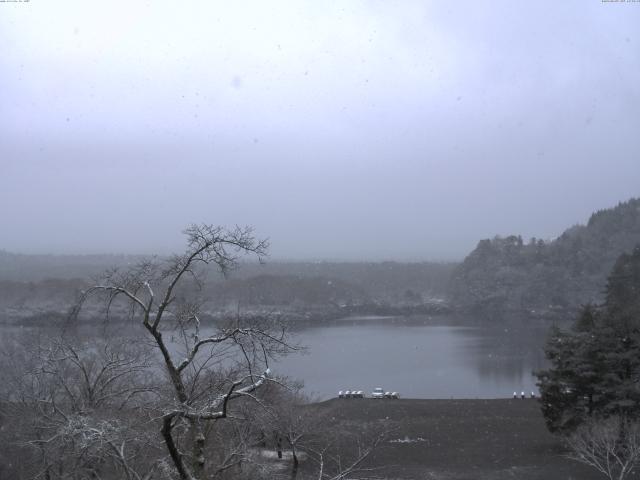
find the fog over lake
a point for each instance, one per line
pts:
(216, 216)
(350, 131)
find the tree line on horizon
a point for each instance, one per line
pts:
(501, 276)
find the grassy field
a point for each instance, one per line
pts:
(459, 439)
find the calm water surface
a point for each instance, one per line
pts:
(417, 360)
(409, 355)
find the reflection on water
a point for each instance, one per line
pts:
(417, 359)
(413, 356)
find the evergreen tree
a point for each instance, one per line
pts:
(595, 366)
(568, 388)
(623, 289)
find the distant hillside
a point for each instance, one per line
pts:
(388, 282)
(506, 274)
(285, 290)
(35, 285)
(385, 281)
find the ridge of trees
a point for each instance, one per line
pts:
(545, 277)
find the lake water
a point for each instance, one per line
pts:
(417, 360)
(413, 356)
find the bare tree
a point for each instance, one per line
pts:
(292, 421)
(315, 446)
(335, 463)
(71, 406)
(611, 446)
(208, 369)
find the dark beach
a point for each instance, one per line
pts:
(459, 439)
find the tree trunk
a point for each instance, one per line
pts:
(294, 469)
(198, 449)
(176, 457)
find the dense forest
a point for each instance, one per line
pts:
(544, 278)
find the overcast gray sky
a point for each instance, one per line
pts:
(340, 130)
